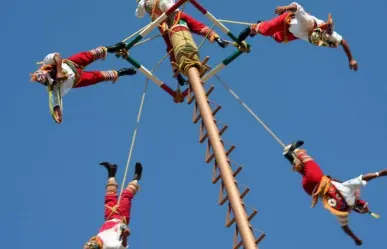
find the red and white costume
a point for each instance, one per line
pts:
(338, 196)
(76, 77)
(298, 25)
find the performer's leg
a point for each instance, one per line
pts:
(89, 78)
(128, 194)
(310, 171)
(305, 165)
(269, 28)
(304, 162)
(83, 59)
(111, 192)
(126, 200)
(289, 153)
(280, 36)
(265, 28)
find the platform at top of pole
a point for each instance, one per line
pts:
(152, 25)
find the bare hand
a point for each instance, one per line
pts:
(358, 242)
(58, 115)
(353, 65)
(60, 75)
(280, 10)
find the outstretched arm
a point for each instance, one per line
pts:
(347, 50)
(349, 232)
(291, 7)
(56, 60)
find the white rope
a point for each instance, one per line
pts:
(133, 140)
(251, 112)
(236, 22)
(146, 40)
(135, 33)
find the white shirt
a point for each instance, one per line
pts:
(111, 237)
(65, 86)
(163, 5)
(303, 23)
(349, 188)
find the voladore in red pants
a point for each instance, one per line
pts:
(277, 28)
(88, 78)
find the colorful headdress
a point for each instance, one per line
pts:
(319, 36)
(42, 75)
(94, 243)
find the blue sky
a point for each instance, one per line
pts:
(53, 187)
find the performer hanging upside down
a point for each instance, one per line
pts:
(294, 23)
(340, 198)
(114, 233)
(61, 75)
(171, 27)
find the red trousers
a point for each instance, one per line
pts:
(277, 28)
(83, 59)
(311, 176)
(123, 210)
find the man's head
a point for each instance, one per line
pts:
(320, 37)
(42, 75)
(316, 36)
(155, 8)
(93, 243)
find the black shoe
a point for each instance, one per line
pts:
(180, 80)
(137, 171)
(221, 43)
(127, 71)
(111, 168)
(244, 34)
(115, 48)
(288, 151)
